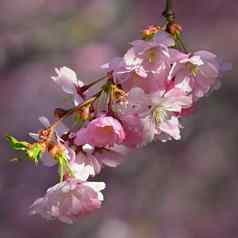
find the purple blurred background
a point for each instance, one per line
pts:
(185, 189)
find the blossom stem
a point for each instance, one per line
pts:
(74, 109)
(180, 41)
(86, 87)
(169, 15)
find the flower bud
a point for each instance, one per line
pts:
(174, 28)
(150, 31)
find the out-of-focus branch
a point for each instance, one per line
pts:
(171, 26)
(168, 12)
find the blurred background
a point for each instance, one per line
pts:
(185, 189)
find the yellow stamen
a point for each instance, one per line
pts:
(152, 56)
(159, 115)
(192, 68)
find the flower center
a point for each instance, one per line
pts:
(152, 56)
(192, 68)
(159, 115)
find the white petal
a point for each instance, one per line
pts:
(171, 127)
(34, 136)
(131, 58)
(196, 60)
(185, 85)
(81, 171)
(67, 79)
(44, 121)
(87, 148)
(97, 186)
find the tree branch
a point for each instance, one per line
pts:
(168, 13)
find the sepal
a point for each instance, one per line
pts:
(16, 144)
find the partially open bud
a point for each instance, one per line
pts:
(150, 31)
(174, 28)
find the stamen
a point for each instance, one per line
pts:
(159, 115)
(152, 56)
(192, 68)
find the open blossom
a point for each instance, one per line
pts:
(80, 171)
(69, 200)
(137, 130)
(93, 159)
(158, 111)
(145, 65)
(67, 79)
(201, 69)
(142, 98)
(100, 132)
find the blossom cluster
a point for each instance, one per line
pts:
(145, 95)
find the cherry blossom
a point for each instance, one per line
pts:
(95, 158)
(201, 69)
(102, 131)
(69, 200)
(144, 65)
(157, 110)
(67, 79)
(142, 98)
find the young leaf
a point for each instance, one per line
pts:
(64, 167)
(16, 144)
(35, 152)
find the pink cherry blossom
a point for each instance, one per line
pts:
(69, 200)
(170, 129)
(100, 132)
(67, 79)
(139, 131)
(80, 171)
(161, 39)
(140, 98)
(157, 111)
(200, 69)
(95, 158)
(145, 65)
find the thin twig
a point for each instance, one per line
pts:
(168, 13)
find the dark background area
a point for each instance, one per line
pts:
(184, 189)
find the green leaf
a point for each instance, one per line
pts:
(31, 151)
(16, 144)
(35, 152)
(63, 165)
